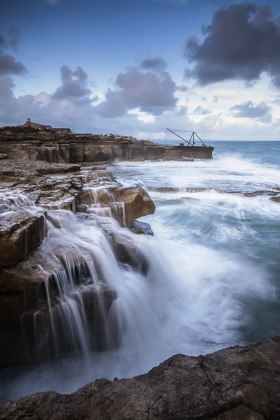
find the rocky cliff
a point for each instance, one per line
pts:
(56, 147)
(238, 383)
(37, 201)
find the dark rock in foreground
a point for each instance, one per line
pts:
(238, 383)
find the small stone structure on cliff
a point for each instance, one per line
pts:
(37, 126)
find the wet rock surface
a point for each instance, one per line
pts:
(43, 188)
(38, 197)
(230, 384)
(20, 233)
(141, 228)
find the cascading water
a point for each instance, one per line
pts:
(207, 279)
(77, 314)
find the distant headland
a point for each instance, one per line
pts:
(59, 145)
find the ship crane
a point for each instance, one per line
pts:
(191, 141)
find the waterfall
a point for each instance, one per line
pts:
(120, 303)
(85, 306)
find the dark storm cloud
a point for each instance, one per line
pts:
(8, 65)
(149, 92)
(74, 84)
(156, 64)
(242, 42)
(201, 111)
(247, 110)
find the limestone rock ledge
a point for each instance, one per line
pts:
(33, 198)
(237, 383)
(45, 189)
(61, 147)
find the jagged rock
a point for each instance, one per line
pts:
(141, 228)
(128, 253)
(230, 384)
(3, 156)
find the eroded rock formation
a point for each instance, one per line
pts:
(238, 383)
(34, 197)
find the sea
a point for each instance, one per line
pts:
(214, 267)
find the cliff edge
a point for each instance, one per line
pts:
(63, 147)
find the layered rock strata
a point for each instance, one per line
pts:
(34, 197)
(56, 147)
(231, 384)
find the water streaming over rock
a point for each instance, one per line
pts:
(207, 279)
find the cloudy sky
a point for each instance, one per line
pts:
(135, 67)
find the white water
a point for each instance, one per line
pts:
(213, 277)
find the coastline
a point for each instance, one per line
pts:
(33, 178)
(59, 147)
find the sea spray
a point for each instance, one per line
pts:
(210, 277)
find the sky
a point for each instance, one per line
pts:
(137, 67)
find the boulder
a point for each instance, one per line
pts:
(137, 202)
(127, 252)
(126, 203)
(141, 228)
(82, 208)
